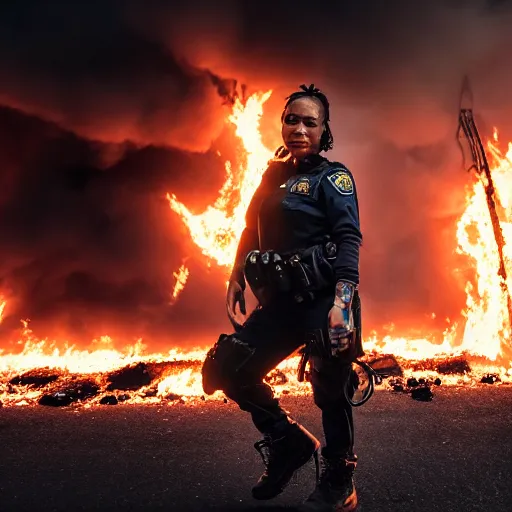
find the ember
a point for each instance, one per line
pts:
(181, 277)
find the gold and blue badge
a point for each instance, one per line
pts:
(342, 182)
(301, 186)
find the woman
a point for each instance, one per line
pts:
(303, 215)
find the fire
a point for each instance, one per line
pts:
(181, 277)
(2, 308)
(217, 230)
(175, 376)
(487, 330)
(487, 324)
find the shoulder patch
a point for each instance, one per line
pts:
(342, 182)
(301, 186)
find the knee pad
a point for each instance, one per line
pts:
(224, 362)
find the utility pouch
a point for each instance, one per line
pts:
(223, 361)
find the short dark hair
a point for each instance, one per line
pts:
(326, 141)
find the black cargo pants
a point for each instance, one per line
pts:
(274, 332)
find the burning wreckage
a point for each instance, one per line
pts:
(44, 374)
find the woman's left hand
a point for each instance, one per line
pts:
(340, 329)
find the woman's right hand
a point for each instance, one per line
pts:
(235, 295)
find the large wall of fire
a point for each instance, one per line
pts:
(104, 111)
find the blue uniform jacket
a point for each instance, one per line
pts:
(297, 207)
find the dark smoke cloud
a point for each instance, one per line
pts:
(80, 65)
(108, 105)
(89, 251)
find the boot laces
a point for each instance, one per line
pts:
(267, 448)
(335, 473)
(264, 448)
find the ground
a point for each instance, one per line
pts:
(451, 454)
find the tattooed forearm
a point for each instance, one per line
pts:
(344, 294)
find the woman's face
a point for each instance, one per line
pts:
(303, 125)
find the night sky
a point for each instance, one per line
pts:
(105, 106)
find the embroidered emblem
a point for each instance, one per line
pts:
(342, 182)
(301, 186)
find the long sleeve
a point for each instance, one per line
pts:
(342, 213)
(249, 240)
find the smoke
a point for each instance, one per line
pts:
(86, 251)
(106, 106)
(82, 67)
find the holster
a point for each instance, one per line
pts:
(224, 362)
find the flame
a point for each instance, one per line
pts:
(3, 303)
(181, 277)
(216, 232)
(487, 330)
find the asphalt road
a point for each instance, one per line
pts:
(451, 454)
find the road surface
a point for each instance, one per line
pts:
(451, 454)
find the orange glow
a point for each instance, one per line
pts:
(2, 308)
(485, 323)
(217, 233)
(487, 328)
(217, 230)
(482, 332)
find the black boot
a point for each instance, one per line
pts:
(335, 491)
(283, 454)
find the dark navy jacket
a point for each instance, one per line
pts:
(296, 207)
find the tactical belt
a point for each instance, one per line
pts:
(301, 274)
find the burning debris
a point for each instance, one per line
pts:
(385, 365)
(78, 391)
(109, 400)
(453, 365)
(151, 379)
(457, 365)
(35, 378)
(129, 378)
(179, 381)
(276, 377)
(489, 379)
